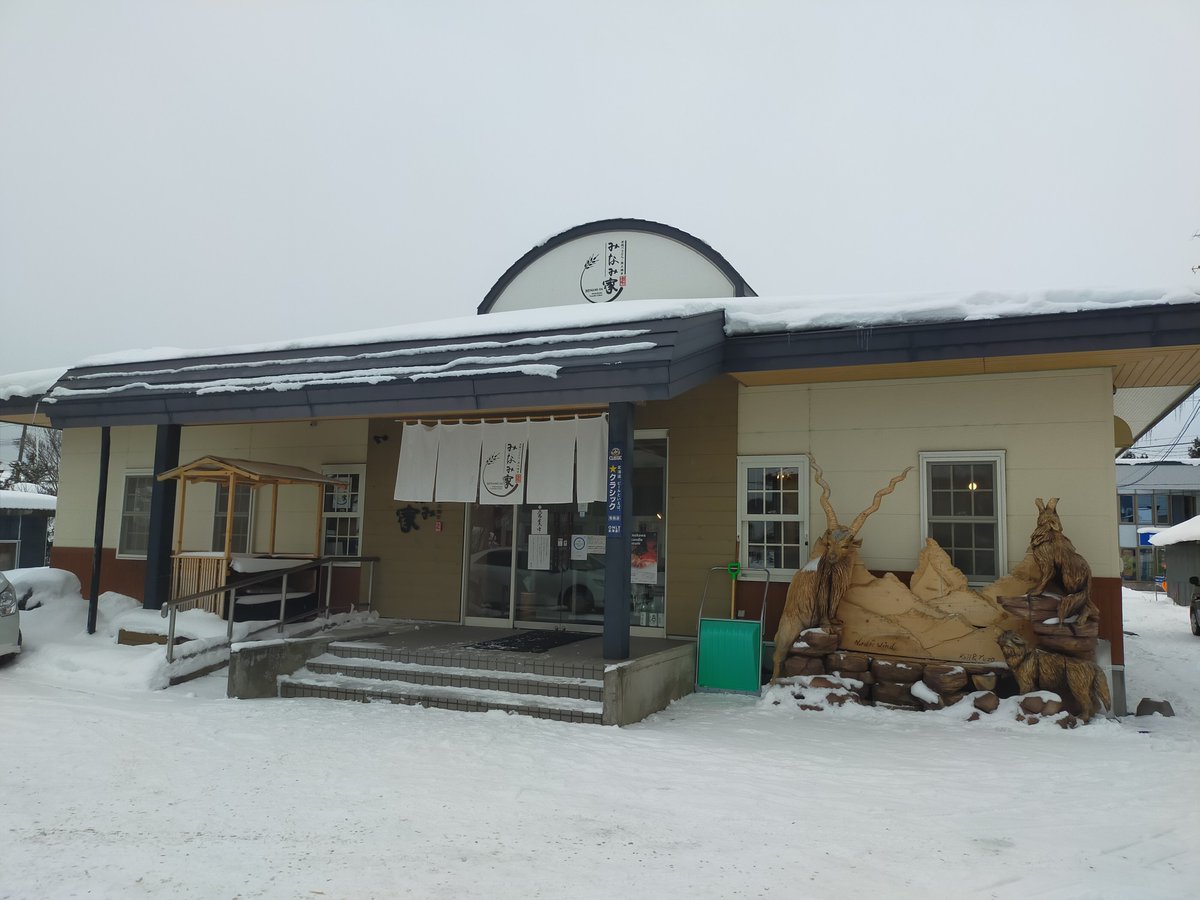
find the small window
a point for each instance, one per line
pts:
(772, 511)
(1127, 508)
(341, 523)
(1145, 509)
(1162, 509)
(962, 501)
(135, 516)
(243, 502)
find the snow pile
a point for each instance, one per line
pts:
(1184, 531)
(13, 499)
(857, 801)
(29, 384)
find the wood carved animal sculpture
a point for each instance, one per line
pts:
(818, 588)
(1041, 670)
(1058, 560)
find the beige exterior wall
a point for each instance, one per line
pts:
(420, 573)
(1056, 429)
(702, 443)
(325, 442)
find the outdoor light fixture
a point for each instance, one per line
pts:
(972, 486)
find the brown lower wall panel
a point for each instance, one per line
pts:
(128, 576)
(1106, 594)
(125, 576)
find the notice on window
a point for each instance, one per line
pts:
(541, 521)
(643, 560)
(539, 552)
(583, 545)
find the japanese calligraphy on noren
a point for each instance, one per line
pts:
(503, 470)
(604, 273)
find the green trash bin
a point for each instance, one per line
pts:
(729, 651)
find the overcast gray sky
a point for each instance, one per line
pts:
(202, 173)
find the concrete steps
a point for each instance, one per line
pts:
(453, 679)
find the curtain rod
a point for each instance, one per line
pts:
(497, 420)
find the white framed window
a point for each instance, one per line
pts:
(962, 508)
(243, 517)
(134, 538)
(773, 512)
(341, 520)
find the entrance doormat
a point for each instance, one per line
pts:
(532, 641)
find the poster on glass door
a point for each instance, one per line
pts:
(643, 557)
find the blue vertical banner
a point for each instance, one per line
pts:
(616, 466)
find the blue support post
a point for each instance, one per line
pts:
(620, 516)
(157, 587)
(98, 541)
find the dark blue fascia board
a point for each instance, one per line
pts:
(1109, 329)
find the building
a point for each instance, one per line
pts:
(1151, 497)
(633, 422)
(25, 519)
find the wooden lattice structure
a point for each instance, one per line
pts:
(195, 571)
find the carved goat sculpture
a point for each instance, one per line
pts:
(1058, 560)
(818, 588)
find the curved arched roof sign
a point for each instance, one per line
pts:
(612, 260)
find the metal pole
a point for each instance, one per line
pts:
(98, 541)
(171, 636)
(283, 603)
(232, 611)
(370, 584)
(328, 586)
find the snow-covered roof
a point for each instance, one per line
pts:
(21, 499)
(29, 384)
(743, 315)
(1176, 534)
(595, 354)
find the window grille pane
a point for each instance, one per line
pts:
(985, 536)
(755, 555)
(962, 536)
(962, 503)
(791, 533)
(791, 557)
(791, 503)
(985, 503)
(939, 477)
(942, 532)
(754, 504)
(985, 563)
(1162, 512)
(1143, 509)
(771, 503)
(941, 503)
(771, 479)
(754, 479)
(773, 532)
(757, 532)
(961, 476)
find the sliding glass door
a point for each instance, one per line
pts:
(543, 565)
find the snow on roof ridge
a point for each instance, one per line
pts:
(743, 315)
(31, 383)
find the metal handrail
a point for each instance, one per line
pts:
(170, 608)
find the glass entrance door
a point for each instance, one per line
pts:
(543, 565)
(489, 563)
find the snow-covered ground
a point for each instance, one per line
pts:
(111, 789)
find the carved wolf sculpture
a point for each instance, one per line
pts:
(1041, 670)
(1057, 559)
(818, 588)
